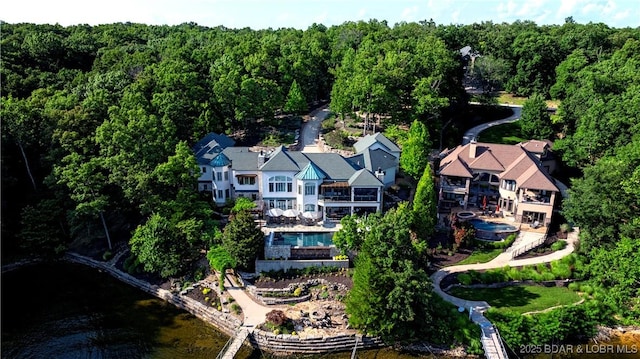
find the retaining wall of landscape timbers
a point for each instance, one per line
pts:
(280, 344)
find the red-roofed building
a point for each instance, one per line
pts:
(514, 177)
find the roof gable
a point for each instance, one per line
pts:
(212, 142)
(456, 168)
(363, 177)
(220, 160)
(487, 161)
(369, 140)
(373, 159)
(311, 172)
(536, 179)
(280, 161)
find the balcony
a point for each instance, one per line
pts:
(543, 200)
(454, 187)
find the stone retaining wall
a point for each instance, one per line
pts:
(224, 322)
(282, 344)
(276, 265)
(285, 344)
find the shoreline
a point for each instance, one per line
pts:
(228, 326)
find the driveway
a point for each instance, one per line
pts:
(311, 129)
(475, 131)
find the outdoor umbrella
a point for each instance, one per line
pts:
(498, 207)
(484, 202)
(291, 213)
(274, 212)
(312, 215)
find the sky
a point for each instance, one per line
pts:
(300, 14)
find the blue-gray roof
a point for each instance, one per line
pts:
(311, 172)
(364, 178)
(220, 161)
(212, 143)
(368, 140)
(280, 160)
(373, 159)
(242, 158)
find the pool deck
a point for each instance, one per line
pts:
(506, 218)
(332, 226)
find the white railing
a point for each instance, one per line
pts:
(520, 250)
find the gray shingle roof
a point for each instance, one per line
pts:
(242, 159)
(212, 142)
(363, 177)
(373, 159)
(368, 140)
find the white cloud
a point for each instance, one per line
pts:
(409, 14)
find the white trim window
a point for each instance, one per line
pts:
(309, 189)
(280, 184)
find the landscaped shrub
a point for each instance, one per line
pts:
(464, 278)
(542, 268)
(297, 292)
(496, 275)
(514, 274)
(107, 255)
(586, 288)
(561, 270)
(475, 275)
(529, 273)
(236, 308)
(206, 291)
(276, 318)
(574, 286)
(556, 246)
(548, 276)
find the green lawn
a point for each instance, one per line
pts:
(480, 256)
(508, 133)
(520, 299)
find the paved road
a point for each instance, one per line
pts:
(311, 129)
(475, 131)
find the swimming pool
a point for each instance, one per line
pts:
(482, 225)
(303, 239)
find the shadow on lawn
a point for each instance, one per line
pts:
(511, 296)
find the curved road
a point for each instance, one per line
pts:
(475, 131)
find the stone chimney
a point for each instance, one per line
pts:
(261, 158)
(472, 148)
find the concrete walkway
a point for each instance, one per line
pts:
(254, 313)
(475, 131)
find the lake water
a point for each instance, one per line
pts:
(72, 311)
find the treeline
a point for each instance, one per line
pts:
(98, 120)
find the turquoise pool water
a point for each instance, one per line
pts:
(482, 225)
(304, 239)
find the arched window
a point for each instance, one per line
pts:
(280, 184)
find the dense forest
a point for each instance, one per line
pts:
(98, 122)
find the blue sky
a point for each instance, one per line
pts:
(260, 14)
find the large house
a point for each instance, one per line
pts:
(513, 177)
(325, 183)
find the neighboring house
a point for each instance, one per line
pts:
(377, 153)
(510, 176)
(307, 182)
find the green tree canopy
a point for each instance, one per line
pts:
(296, 102)
(425, 209)
(243, 239)
(535, 119)
(391, 294)
(415, 151)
